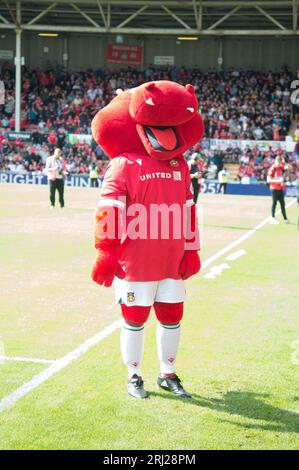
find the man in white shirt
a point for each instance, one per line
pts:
(223, 180)
(55, 169)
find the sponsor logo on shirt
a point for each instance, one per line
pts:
(176, 175)
(157, 175)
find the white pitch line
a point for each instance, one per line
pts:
(236, 255)
(10, 400)
(216, 271)
(210, 275)
(239, 240)
(26, 359)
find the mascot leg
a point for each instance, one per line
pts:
(132, 342)
(168, 334)
(169, 316)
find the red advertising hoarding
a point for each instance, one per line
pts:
(126, 55)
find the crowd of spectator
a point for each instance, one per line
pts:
(252, 162)
(246, 105)
(22, 157)
(235, 104)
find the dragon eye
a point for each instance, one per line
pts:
(191, 110)
(150, 102)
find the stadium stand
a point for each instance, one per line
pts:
(235, 104)
(242, 164)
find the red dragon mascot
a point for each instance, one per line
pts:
(146, 227)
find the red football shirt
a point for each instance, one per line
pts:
(276, 172)
(153, 195)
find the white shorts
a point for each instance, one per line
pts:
(145, 294)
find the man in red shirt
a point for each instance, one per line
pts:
(276, 179)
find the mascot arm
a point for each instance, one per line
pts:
(190, 263)
(108, 227)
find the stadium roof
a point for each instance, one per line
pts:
(158, 17)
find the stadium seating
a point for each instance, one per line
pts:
(235, 104)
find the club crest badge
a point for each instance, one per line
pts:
(174, 163)
(130, 297)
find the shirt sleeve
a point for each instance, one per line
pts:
(189, 193)
(114, 190)
(192, 238)
(271, 172)
(50, 170)
(48, 164)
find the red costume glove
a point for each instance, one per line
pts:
(107, 241)
(106, 268)
(190, 264)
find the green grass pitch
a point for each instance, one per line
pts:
(237, 353)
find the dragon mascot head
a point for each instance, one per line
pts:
(158, 118)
